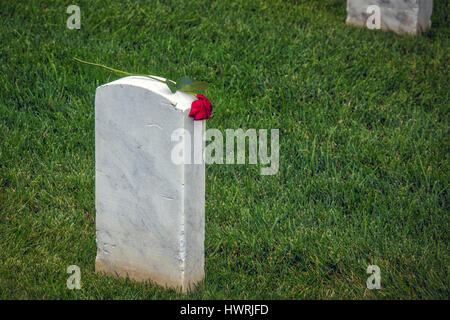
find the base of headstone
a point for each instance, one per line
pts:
(400, 16)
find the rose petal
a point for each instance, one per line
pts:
(201, 108)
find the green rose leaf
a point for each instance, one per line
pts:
(187, 84)
(183, 82)
(197, 87)
(172, 86)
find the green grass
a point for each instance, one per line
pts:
(364, 146)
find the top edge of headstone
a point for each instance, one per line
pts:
(180, 100)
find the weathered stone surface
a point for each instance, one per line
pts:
(401, 16)
(149, 210)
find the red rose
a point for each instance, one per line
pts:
(201, 108)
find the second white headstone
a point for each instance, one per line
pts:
(401, 16)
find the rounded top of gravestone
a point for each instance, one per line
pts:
(180, 100)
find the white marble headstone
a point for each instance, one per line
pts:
(149, 210)
(401, 16)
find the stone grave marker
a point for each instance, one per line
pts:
(149, 210)
(401, 16)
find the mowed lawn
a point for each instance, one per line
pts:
(364, 146)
